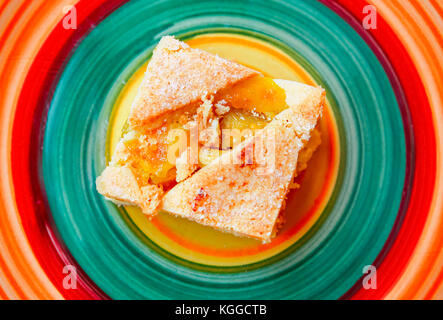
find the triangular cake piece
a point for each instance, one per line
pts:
(241, 196)
(177, 76)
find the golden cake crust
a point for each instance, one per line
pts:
(236, 197)
(179, 75)
(119, 185)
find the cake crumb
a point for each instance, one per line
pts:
(221, 108)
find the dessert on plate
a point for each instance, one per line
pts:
(213, 141)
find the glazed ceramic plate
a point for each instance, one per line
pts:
(359, 203)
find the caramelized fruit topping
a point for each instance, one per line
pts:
(249, 105)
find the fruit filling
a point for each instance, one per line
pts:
(156, 157)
